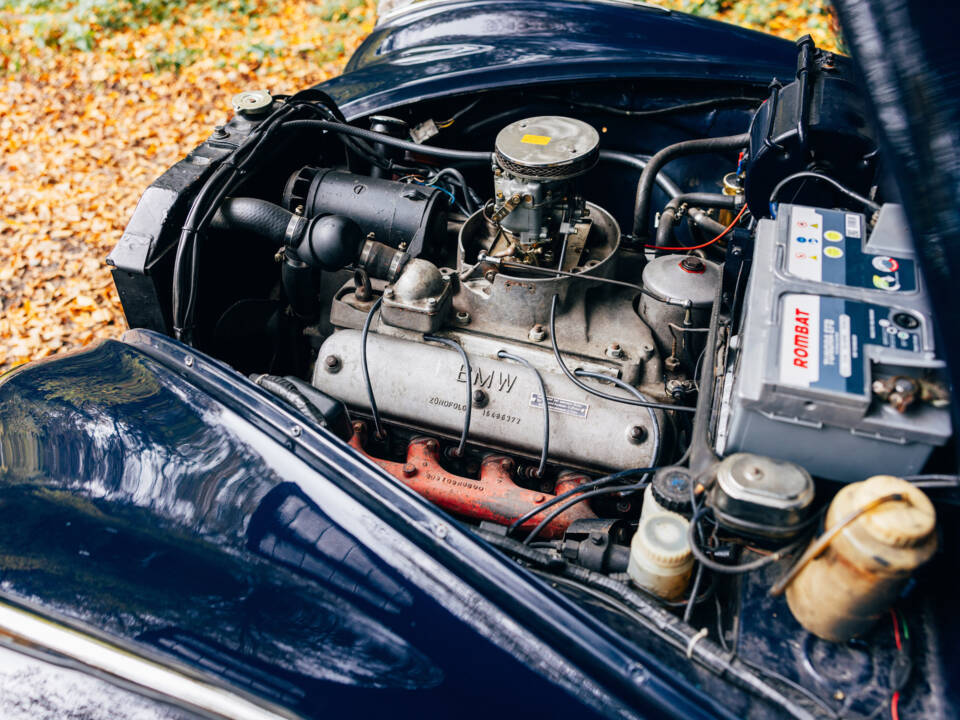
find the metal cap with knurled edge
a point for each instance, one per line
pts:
(903, 524)
(664, 540)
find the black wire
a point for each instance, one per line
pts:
(366, 371)
(551, 544)
(546, 407)
(935, 480)
(466, 363)
(866, 202)
(711, 564)
(201, 211)
(793, 684)
(658, 112)
(580, 498)
(469, 197)
(688, 610)
(721, 636)
(632, 390)
(469, 156)
(580, 276)
(583, 386)
(579, 489)
(459, 113)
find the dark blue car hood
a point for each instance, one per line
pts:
(160, 497)
(442, 47)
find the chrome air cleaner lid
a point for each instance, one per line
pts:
(547, 147)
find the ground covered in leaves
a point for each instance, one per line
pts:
(98, 97)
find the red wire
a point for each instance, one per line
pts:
(896, 628)
(895, 700)
(727, 229)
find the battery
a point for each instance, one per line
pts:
(832, 316)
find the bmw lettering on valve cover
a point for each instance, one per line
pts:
(560, 359)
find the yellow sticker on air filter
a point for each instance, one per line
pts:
(535, 139)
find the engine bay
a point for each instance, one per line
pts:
(677, 359)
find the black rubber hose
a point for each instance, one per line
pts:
(640, 162)
(706, 223)
(260, 217)
(698, 200)
(702, 454)
(641, 209)
(466, 156)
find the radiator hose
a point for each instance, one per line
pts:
(327, 242)
(641, 209)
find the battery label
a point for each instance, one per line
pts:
(827, 246)
(822, 340)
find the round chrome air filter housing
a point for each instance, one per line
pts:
(547, 147)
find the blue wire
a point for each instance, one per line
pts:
(453, 200)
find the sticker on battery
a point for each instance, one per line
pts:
(822, 340)
(827, 246)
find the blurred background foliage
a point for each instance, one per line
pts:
(99, 97)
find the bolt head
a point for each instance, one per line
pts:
(636, 434)
(409, 470)
(332, 363)
(693, 264)
(432, 303)
(463, 317)
(388, 292)
(479, 398)
(490, 276)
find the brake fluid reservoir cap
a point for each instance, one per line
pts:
(903, 524)
(663, 539)
(671, 490)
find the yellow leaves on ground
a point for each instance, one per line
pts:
(83, 132)
(790, 19)
(99, 97)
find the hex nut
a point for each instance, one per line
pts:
(537, 333)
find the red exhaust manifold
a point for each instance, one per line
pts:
(494, 496)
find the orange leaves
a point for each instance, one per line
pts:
(790, 19)
(82, 134)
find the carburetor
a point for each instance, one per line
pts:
(537, 164)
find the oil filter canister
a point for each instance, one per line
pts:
(853, 582)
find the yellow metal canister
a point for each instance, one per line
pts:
(852, 583)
